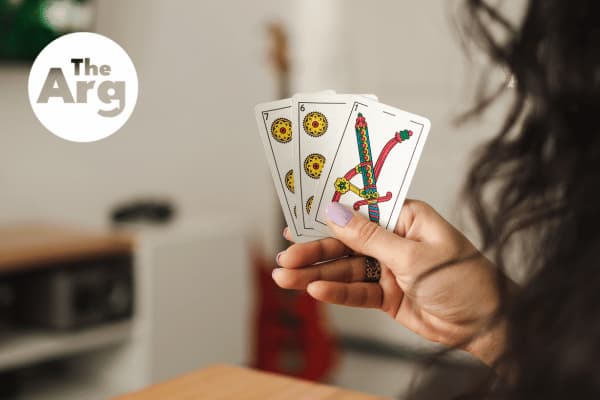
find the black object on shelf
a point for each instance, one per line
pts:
(143, 211)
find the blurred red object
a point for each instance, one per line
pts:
(291, 334)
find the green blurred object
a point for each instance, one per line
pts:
(27, 26)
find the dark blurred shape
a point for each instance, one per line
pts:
(436, 376)
(143, 211)
(9, 386)
(54, 277)
(447, 382)
(14, 383)
(76, 295)
(27, 26)
(279, 57)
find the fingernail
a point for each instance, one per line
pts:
(338, 214)
(285, 232)
(277, 258)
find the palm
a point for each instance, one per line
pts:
(440, 306)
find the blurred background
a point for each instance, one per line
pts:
(145, 255)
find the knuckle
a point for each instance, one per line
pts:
(318, 274)
(320, 251)
(368, 233)
(342, 296)
(356, 272)
(363, 297)
(418, 206)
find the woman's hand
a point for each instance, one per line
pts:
(448, 306)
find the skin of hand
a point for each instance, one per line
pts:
(448, 306)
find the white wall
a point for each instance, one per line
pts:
(406, 52)
(202, 66)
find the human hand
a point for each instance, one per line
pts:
(449, 305)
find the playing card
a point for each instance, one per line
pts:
(319, 123)
(274, 126)
(275, 130)
(373, 163)
(319, 120)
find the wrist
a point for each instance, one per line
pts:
(489, 346)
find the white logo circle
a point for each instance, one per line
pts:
(83, 87)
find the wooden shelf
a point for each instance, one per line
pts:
(20, 347)
(29, 246)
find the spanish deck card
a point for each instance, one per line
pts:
(318, 119)
(373, 162)
(324, 147)
(319, 122)
(275, 129)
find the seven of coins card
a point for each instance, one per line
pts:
(326, 147)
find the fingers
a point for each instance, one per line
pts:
(366, 237)
(357, 294)
(408, 216)
(348, 269)
(302, 254)
(287, 234)
(419, 221)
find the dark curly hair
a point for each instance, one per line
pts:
(537, 183)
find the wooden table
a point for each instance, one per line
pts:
(225, 382)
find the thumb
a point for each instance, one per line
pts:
(367, 237)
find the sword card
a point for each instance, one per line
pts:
(373, 163)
